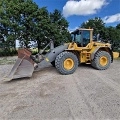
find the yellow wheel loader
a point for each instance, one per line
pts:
(66, 57)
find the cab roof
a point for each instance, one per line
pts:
(81, 29)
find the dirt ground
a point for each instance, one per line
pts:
(88, 94)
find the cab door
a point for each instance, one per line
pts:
(85, 38)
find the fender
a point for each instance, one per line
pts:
(93, 54)
(50, 56)
(102, 49)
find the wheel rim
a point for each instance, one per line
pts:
(103, 61)
(68, 63)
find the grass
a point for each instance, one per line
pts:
(34, 49)
(6, 60)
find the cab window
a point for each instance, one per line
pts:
(86, 37)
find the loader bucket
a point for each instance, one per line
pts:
(23, 67)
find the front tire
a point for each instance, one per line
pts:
(66, 63)
(102, 60)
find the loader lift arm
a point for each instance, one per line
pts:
(26, 63)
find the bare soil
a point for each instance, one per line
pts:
(88, 94)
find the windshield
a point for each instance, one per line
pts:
(81, 37)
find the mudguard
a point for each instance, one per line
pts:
(50, 56)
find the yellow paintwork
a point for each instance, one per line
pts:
(86, 52)
(116, 54)
(68, 64)
(47, 59)
(103, 61)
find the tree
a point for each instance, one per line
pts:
(118, 33)
(17, 20)
(118, 26)
(41, 27)
(97, 24)
(59, 28)
(25, 21)
(4, 19)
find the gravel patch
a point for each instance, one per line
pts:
(88, 94)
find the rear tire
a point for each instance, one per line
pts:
(66, 63)
(101, 61)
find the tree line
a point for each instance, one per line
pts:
(25, 21)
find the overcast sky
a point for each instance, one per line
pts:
(79, 11)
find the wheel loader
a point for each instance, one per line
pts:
(84, 48)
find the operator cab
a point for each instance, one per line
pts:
(81, 36)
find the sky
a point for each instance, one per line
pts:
(78, 11)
